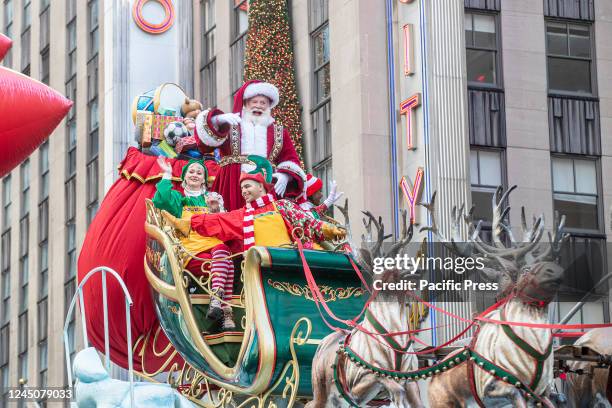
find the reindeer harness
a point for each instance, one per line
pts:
(467, 354)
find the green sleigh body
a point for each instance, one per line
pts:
(279, 325)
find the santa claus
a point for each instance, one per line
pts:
(250, 130)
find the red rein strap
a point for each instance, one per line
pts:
(319, 300)
(358, 272)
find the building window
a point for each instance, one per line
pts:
(8, 30)
(240, 26)
(6, 276)
(485, 177)
(481, 49)
(320, 40)
(321, 132)
(5, 250)
(44, 66)
(208, 70)
(69, 291)
(25, 187)
(6, 202)
(22, 345)
(43, 157)
(71, 37)
(575, 192)
(71, 6)
(45, 12)
(92, 189)
(71, 129)
(24, 261)
(26, 17)
(92, 140)
(43, 259)
(570, 65)
(43, 220)
(70, 188)
(92, 21)
(43, 316)
(319, 34)
(320, 115)
(4, 363)
(26, 40)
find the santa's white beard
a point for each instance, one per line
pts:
(265, 119)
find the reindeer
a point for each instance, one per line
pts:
(528, 276)
(333, 371)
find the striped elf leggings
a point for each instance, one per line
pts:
(222, 270)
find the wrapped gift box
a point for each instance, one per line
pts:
(144, 127)
(186, 143)
(159, 124)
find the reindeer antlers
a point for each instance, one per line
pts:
(380, 233)
(452, 244)
(405, 237)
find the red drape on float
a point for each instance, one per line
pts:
(116, 239)
(29, 111)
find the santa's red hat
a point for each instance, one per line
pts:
(253, 88)
(313, 184)
(258, 177)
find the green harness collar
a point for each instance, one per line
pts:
(539, 358)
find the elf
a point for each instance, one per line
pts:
(310, 200)
(197, 200)
(263, 221)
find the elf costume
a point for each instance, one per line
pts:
(189, 204)
(265, 222)
(311, 187)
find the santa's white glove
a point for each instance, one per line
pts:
(165, 166)
(333, 195)
(280, 186)
(231, 119)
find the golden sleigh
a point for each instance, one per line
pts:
(278, 324)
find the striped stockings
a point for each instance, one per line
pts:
(222, 271)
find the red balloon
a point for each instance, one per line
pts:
(30, 111)
(5, 45)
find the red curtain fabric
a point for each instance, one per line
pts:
(116, 239)
(29, 111)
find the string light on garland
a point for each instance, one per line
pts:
(269, 57)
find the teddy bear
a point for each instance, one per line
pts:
(190, 110)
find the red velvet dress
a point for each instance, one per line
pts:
(116, 238)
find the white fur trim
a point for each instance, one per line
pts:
(204, 133)
(292, 167)
(253, 140)
(311, 181)
(262, 88)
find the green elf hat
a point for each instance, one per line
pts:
(195, 161)
(262, 166)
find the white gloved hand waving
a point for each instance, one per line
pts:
(231, 119)
(280, 186)
(165, 166)
(333, 195)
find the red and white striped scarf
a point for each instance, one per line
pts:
(248, 227)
